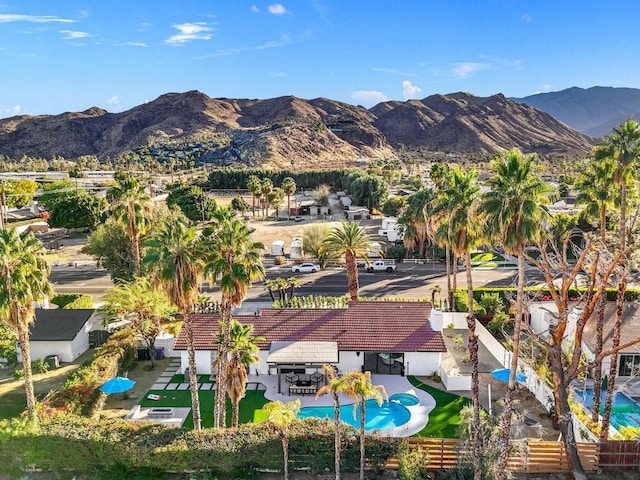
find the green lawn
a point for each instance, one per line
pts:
(486, 257)
(444, 419)
(250, 405)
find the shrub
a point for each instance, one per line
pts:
(40, 366)
(72, 301)
(412, 462)
(491, 302)
(462, 304)
(18, 374)
(397, 252)
(500, 324)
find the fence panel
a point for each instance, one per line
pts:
(620, 455)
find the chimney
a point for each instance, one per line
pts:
(436, 320)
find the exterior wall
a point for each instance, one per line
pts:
(167, 341)
(421, 363)
(203, 361)
(80, 343)
(349, 361)
(455, 382)
(63, 350)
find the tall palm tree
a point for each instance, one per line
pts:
(597, 192)
(623, 146)
(254, 185)
(265, 189)
(352, 241)
(175, 257)
(360, 388)
(24, 279)
(514, 212)
(289, 188)
(335, 385)
(281, 416)
(234, 261)
(462, 195)
(131, 206)
(243, 352)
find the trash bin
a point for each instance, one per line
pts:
(53, 361)
(159, 353)
(143, 354)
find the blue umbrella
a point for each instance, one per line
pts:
(502, 374)
(117, 385)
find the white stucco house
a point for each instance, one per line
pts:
(394, 338)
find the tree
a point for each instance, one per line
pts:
(281, 416)
(266, 186)
(234, 261)
(289, 188)
(254, 185)
(335, 385)
(193, 202)
(369, 190)
(111, 247)
(416, 221)
(351, 241)
(146, 307)
(239, 204)
(55, 191)
(514, 212)
(19, 193)
(131, 207)
(394, 205)
(24, 279)
(275, 199)
(175, 257)
(360, 388)
(78, 210)
(313, 236)
(243, 352)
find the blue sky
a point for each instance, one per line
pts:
(69, 55)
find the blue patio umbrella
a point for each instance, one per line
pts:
(502, 374)
(117, 385)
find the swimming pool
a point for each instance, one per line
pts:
(406, 399)
(387, 415)
(624, 412)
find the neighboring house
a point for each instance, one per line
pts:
(61, 332)
(357, 213)
(395, 338)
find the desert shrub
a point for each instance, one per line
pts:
(412, 462)
(73, 301)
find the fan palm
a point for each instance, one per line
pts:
(514, 212)
(24, 279)
(281, 416)
(289, 188)
(175, 257)
(351, 241)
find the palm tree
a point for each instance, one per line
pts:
(514, 213)
(265, 189)
(289, 188)
(131, 206)
(360, 388)
(351, 240)
(243, 352)
(596, 190)
(623, 146)
(461, 196)
(335, 385)
(234, 261)
(24, 279)
(175, 256)
(254, 185)
(293, 283)
(281, 416)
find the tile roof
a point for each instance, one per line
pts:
(363, 326)
(628, 332)
(58, 324)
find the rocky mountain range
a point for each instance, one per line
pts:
(289, 131)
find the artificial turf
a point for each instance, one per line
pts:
(444, 419)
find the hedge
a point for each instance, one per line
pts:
(72, 301)
(67, 442)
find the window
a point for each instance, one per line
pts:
(629, 366)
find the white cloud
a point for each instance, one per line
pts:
(133, 44)
(526, 18)
(369, 96)
(11, 111)
(115, 100)
(73, 35)
(277, 9)
(189, 32)
(463, 70)
(409, 90)
(284, 40)
(10, 17)
(255, 9)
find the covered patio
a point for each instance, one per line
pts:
(300, 362)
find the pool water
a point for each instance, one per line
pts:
(405, 399)
(387, 415)
(624, 412)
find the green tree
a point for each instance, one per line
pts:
(276, 197)
(313, 236)
(351, 241)
(239, 204)
(24, 279)
(53, 192)
(19, 193)
(394, 205)
(266, 186)
(289, 188)
(78, 210)
(514, 213)
(175, 257)
(369, 190)
(416, 222)
(234, 261)
(8, 340)
(140, 303)
(193, 202)
(254, 185)
(243, 351)
(111, 247)
(360, 388)
(281, 416)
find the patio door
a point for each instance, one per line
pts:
(387, 363)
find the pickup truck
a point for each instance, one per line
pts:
(382, 266)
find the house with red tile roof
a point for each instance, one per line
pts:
(396, 338)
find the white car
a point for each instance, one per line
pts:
(306, 268)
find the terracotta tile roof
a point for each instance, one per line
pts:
(364, 326)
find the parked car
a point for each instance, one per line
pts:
(306, 268)
(297, 218)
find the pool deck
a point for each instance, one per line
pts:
(392, 383)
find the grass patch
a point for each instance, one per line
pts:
(444, 419)
(180, 378)
(486, 257)
(250, 406)
(12, 405)
(495, 265)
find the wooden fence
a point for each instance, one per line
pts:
(536, 457)
(620, 455)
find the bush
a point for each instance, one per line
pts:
(491, 302)
(18, 374)
(40, 366)
(397, 252)
(500, 324)
(72, 301)
(412, 462)
(462, 304)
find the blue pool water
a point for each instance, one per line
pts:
(387, 415)
(405, 399)
(624, 413)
